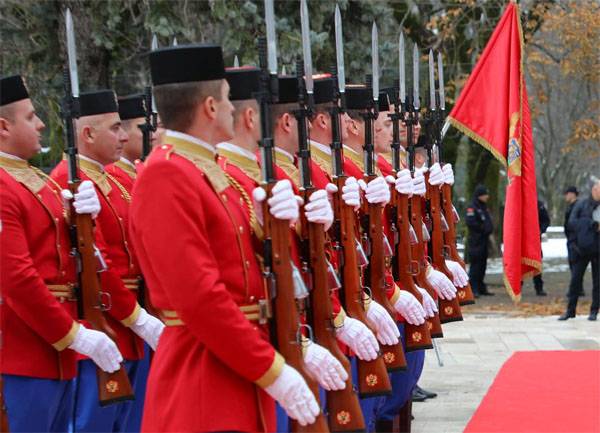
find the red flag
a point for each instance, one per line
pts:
(493, 110)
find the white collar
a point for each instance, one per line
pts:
(127, 162)
(190, 138)
(93, 161)
(285, 153)
(237, 149)
(10, 156)
(321, 147)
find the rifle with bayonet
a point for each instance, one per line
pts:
(417, 337)
(464, 294)
(278, 270)
(343, 409)
(372, 216)
(92, 301)
(449, 310)
(411, 107)
(373, 378)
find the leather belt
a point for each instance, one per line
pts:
(63, 292)
(258, 312)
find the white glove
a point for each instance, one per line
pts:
(429, 305)
(85, 200)
(436, 175)
(410, 308)
(324, 368)
(419, 187)
(459, 275)
(448, 174)
(283, 203)
(99, 347)
(148, 328)
(377, 191)
(295, 397)
(441, 284)
(318, 209)
(383, 323)
(359, 338)
(351, 193)
(404, 182)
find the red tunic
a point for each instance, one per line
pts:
(113, 233)
(195, 249)
(34, 254)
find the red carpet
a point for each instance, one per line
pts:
(542, 391)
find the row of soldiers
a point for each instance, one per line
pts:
(185, 232)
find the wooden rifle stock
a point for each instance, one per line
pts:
(373, 379)
(417, 250)
(417, 337)
(393, 355)
(343, 408)
(112, 387)
(287, 329)
(464, 294)
(449, 309)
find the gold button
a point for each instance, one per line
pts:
(164, 147)
(56, 219)
(241, 229)
(224, 197)
(252, 298)
(58, 246)
(247, 264)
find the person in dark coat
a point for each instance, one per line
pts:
(584, 222)
(480, 225)
(571, 194)
(544, 220)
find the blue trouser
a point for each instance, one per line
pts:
(38, 405)
(403, 383)
(89, 416)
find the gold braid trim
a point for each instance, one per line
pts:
(253, 220)
(123, 190)
(56, 191)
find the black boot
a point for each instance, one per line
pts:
(427, 394)
(593, 316)
(540, 292)
(568, 315)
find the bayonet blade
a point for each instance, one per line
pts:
(375, 61)
(154, 44)
(441, 81)
(283, 70)
(339, 50)
(306, 52)
(416, 103)
(431, 82)
(271, 38)
(72, 54)
(175, 41)
(236, 62)
(401, 68)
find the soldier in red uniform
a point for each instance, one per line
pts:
(100, 141)
(214, 369)
(38, 317)
(132, 112)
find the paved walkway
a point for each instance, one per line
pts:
(474, 350)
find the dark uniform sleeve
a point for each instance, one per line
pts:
(544, 218)
(473, 220)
